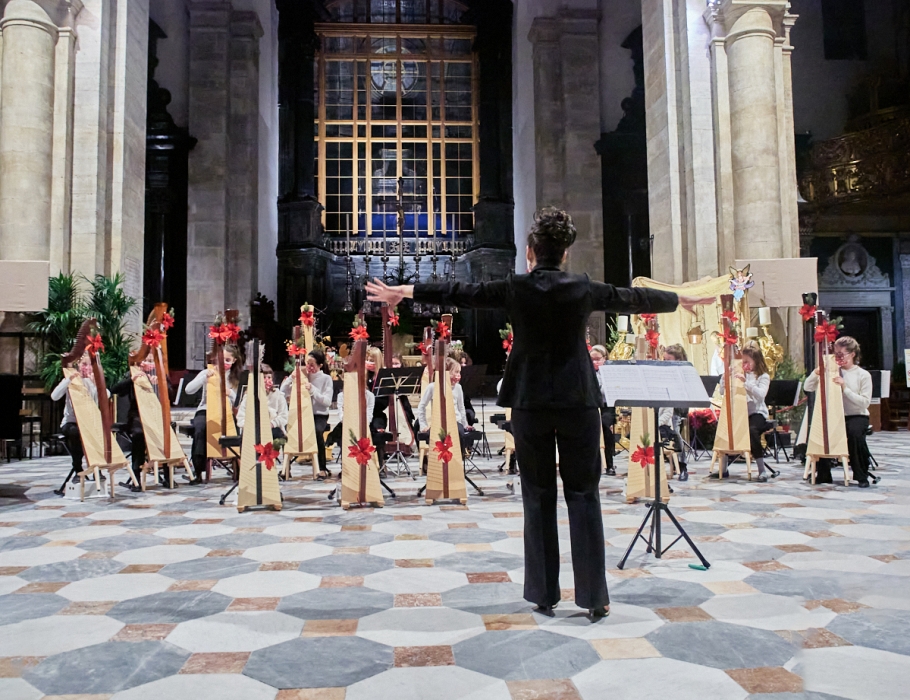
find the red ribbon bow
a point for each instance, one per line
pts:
(507, 343)
(167, 321)
(444, 449)
(295, 350)
(308, 318)
(807, 311)
(362, 451)
(359, 333)
(730, 316)
(152, 337)
(653, 338)
(730, 337)
(826, 332)
(644, 455)
(443, 329)
(647, 318)
(423, 348)
(394, 319)
(267, 454)
(224, 333)
(94, 344)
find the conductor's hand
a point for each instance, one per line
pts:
(378, 290)
(689, 303)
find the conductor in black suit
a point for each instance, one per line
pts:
(551, 387)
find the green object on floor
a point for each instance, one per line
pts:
(698, 567)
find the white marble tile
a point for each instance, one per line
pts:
(194, 531)
(46, 636)
(856, 673)
(162, 554)
(412, 549)
(287, 551)
(236, 631)
(625, 621)
(804, 513)
(766, 535)
(9, 531)
(415, 527)
(29, 516)
(116, 587)
(124, 514)
(831, 561)
(901, 510)
(89, 532)
(8, 584)
(873, 532)
(717, 517)
(18, 689)
(766, 612)
(645, 679)
(446, 682)
(224, 686)
(768, 498)
(35, 556)
(302, 529)
(418, 580)
(679, 570)
(267, 584)
(566, 576)
(419, 627)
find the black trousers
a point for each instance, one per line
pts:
(758, 424)
(322, 423)
(857, 447)
(199, 451)
(73, 439)
(576, 432)
(607, 421)
(137, 448)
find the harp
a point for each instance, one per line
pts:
(360, 483)
(102, 453)
(732, 435)
(397, 420)
(219, 414)
(301, 424)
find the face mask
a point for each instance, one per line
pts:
(312, 369)
(597, 363)
(85, 371)
(371, 366)
(228, 365)
(269, 383)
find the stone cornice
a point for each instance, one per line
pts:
(550, 29)
(245, 24)
(722, 15)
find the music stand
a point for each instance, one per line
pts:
(474, 382)
(695, 448)
(653, 384)
(395, 383)
(781, 393)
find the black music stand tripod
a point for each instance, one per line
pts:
(655, 385)
(396, 383)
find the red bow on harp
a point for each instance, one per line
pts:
(167, 321)
(807, 311)
(730, 316)
(443, 329)
(152, 337)
(267, 454)
(507, 343)
(423, 348)
(647, 318)
(826, 332)
(295, 350)
(94, 344)
(224, 333)
(730, 337)
(443, 448)
(644, 455)
(362, 451)
(308, 318)
(394, 318)
(653, 338)
(359, 333)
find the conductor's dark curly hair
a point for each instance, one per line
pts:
(551, 235)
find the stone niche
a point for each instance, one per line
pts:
(852, 283)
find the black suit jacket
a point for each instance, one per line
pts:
(549, 366)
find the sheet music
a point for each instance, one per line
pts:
(667, 383)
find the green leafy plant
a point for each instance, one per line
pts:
(791, 369)
(58, 324)
(111, 305)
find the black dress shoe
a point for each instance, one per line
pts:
(545, 609)
(611, 471)
(863, 484)
(684, 475)
(601, 612)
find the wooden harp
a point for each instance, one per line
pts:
(219, 412)
(258, 482)
(359, 482)
(732, 435)
(301, 423)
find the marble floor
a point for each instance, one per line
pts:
(169, 595)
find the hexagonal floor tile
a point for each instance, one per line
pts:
(46, 636)
(193, 531)
(170, 607)
(831, 561)
(666, 594)
(525, 655)
(419, 580)
(488, 598)
(412, 549)
(267, 584)
(766, 612)
(346, 565)
(162, 554)
(721, 645)
(335, 603)
(876, 629)
(116, 587)
(447, 683)
(288, 551)
(319, 662)
(625, 621)
(224, 686)
(648, 678)
(420, 627)
(766, 536)
(79, 534)
(884, 676)
(35, 556)
(235, 631)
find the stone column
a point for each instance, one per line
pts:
(62, 177)
(208, 211)
(751, 30)
(242, 262)
(26, 130)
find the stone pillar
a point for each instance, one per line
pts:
(752, 27)
(209, 162)
(62, 177)
(242, 261)
(26, 130)
(567, 125)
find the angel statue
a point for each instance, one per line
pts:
(740, 281)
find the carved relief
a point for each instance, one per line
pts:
(852, 267)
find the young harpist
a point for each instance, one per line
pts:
(68, 425)
(454, 369)
(278, 405)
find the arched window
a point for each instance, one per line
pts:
(396, 107)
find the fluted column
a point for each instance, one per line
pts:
(752, 28)
(26, 131)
